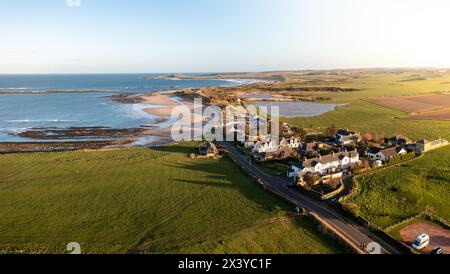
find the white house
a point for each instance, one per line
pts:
(265, 146)
(384, 154)
(347, 137)
(326, 164)
(293, 143)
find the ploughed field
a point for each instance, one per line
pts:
(143, 200)
(443, 114)
(416, 104)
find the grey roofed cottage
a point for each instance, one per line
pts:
(384, 154)
(347, 137)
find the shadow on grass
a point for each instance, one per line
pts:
(182, 148)
(225, 174)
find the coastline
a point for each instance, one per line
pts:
(157, 105)
(162, 104)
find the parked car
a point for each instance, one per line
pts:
(421, 242)
(437, 251)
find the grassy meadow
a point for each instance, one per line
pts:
(394, 194)
(281, 237)
(142, 200)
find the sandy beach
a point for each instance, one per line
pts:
(163, 104)
(163, 98)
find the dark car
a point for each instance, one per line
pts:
(437, 251)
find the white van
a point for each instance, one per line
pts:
(421, 242)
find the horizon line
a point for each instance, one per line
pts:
(237, 71)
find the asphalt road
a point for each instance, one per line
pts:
(357, 233)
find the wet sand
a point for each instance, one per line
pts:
(164, 103)
(166, 98)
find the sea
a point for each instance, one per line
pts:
(24, 103)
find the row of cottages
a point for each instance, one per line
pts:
(398, 140)
(271, 146)
(346, 137)
(328, 164)
(384, 154)
(423, 146)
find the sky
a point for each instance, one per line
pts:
(132, 36)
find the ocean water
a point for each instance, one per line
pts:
(20, 112)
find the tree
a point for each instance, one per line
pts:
(331, 130)
(368, 137)
(311, 180)
(379, 138)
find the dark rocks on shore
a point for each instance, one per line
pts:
(127, 98)
(71, 133)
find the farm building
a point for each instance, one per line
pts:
(424, 145)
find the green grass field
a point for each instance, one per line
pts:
(282, 237)
(148, 200)
(370, 84)
(396, 193)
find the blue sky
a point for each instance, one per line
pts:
(48, 36)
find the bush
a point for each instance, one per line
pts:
(352, 208)
(401, 158)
